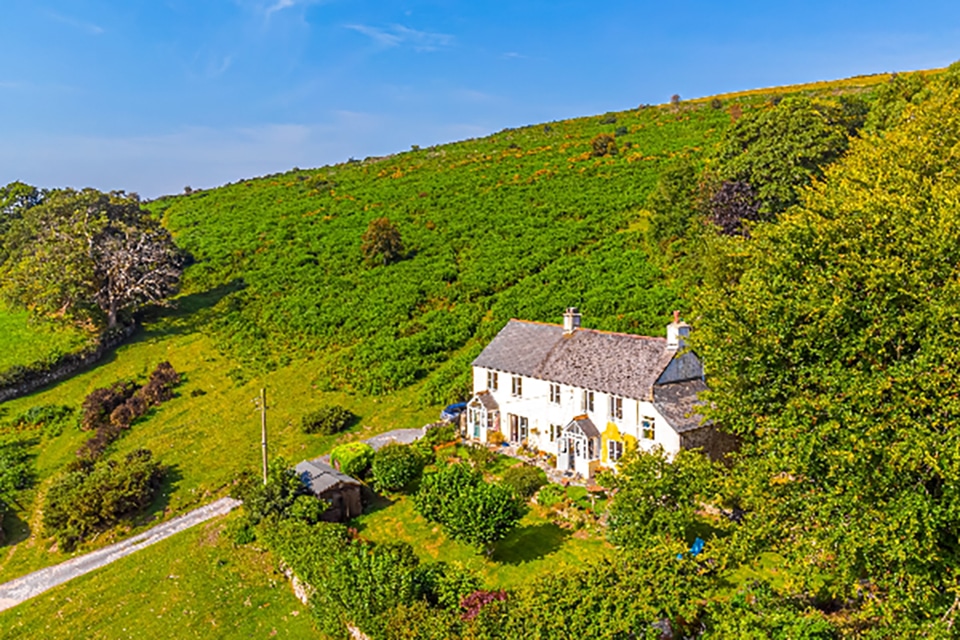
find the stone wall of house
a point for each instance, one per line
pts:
(30, 379)
(715, 443)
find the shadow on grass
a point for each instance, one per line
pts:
(15, 529)
(530, 543)
(372, 503)
(155, 511)
(187, 314)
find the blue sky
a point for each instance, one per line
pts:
(153, 95)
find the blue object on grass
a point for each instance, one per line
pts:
(695, 549)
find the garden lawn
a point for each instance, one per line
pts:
(192, 585)
(536, 546)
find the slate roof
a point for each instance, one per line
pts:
(487, 400)
(586, 426)
(320, 476)
(618, 363)
(678, 402)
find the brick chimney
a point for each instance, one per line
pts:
(571, 320)
(677, 332)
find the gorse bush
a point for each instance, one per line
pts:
(98, 495)
(112, 409)
(395, 466)
(327, 421)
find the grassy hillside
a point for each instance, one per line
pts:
(24, 342)
(519, 224)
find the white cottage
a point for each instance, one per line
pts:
(584, 395)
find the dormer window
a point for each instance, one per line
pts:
(516, 388)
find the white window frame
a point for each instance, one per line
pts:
(586, 401)
(616, 408)
(516, 386)
(554, 393)
(648, 428)
(492, 380)
(614, 450)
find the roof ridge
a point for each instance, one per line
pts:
(592, 330)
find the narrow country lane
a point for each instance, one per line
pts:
(33, 584)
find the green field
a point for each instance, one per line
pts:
(194, 585)
(24, 342)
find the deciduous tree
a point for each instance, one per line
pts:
(89, 256)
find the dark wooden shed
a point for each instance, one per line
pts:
(340, 490)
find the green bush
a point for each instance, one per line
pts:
(283, 496)
(353, 458)
(440, 435)
(524, 479)
(469, 509)
(97, 496)
(551, 494)
(327, 420)
(395, 466)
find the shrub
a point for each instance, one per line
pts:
(381, 242)
(353, 458)
(441, 435)
(716, 104)
(524, 479)
(495, 437)
(100, 403)
(327, 420)
(278, 498)
(16, 470)
(395, 466)
(159, 387)
(551, 494)
(620, 131)
(603, 144)
(94, 497)
(468, 508)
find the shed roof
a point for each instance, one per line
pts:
(320, 476)
(487, 400)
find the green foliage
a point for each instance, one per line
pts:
(551, 494)
(97, 496)
(283, 496)
(833, 352)
(604, 144)
(91, 257)
(490, 232)
(16, 465)
(352, 458)
(469, 509)
(674, 202)
(781, 149)
(395, 466)
(892, 99)
(381, 242)
(524, 479)
(50, 417)
(759, 612)
(657, 496)
(327, 421)
(440, 435)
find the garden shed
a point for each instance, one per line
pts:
(340, 490)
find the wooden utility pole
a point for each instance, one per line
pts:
(263, 430)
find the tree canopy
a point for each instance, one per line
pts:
(92, 257)
(832, 342)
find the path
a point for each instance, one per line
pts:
(33, 584)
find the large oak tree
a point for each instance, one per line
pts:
(91, 257)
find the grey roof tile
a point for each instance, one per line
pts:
(678, 403)
(586, 426)
(520, 347)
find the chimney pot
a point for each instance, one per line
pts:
(571, 320)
